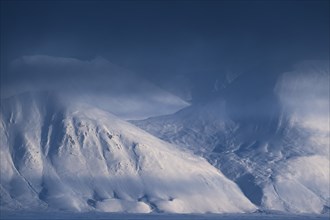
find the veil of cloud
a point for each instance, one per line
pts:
(304, 93)
(97, 82)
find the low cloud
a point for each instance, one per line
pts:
(304, 95)
(97, 81)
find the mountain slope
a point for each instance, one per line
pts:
(276, 150)
(63, 155)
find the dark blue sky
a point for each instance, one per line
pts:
(163, 39)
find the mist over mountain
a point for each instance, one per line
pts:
(98, 82)
(165, 107)
(273, 153)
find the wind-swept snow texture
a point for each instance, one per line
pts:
(57, 155)
(279, 158)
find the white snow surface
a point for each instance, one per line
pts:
(73, 156)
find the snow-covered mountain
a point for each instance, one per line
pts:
(276, 150)
(62, 150)
(59, 154)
